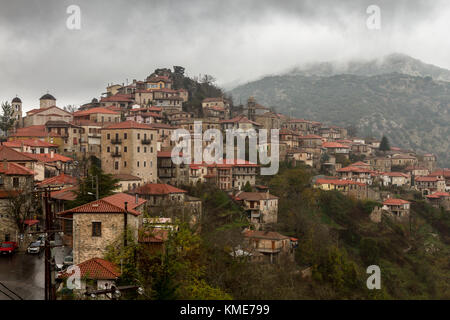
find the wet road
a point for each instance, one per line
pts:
(25, 274)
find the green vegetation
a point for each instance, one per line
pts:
(337, 240)
(384, 144)
(7, 118)
(88, 188)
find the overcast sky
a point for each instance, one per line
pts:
(234, 41)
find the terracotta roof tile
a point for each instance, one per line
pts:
(97, 269)
(157, 189)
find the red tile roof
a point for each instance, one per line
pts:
(67, 194)
(334, 145)
(118, 98)
(110, 204)
(61, 179)
(442, 172)
(339, 182)
(97, 269)
(154, 236)
(270, 235)
(29, 142)
(15, 169)
(255, 196)
(36, 111)
(354, 169)
(129, 124)
(394, 174)
(94, 111)
(395, 202)
(438, 195)
(310, 136)
(240, 119)
(427, 179)
(47, 157)
(157, 189)
(13, 155)
(34, 131)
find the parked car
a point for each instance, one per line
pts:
(34, 247)
(41, 238)
(8, 247)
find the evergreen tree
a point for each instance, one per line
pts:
(87, 190)
(384, 144)
(7, 119)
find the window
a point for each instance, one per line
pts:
(96, 229)
(125, 135)
(108, 136)
(138, 164)
(124, 164)
(125, 149)
(145, 164)
(145, 149)
(138, 149)
(116, 165)
(139, 136)
(151, 149)
(107, 149)
(15, 182)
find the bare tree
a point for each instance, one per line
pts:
(21, 205)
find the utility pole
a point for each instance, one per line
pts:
(96, 187)
(49, 230)
(125, 225)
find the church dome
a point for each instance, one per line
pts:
(47, 97)
(17, 99)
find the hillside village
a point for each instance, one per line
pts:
(126, 134)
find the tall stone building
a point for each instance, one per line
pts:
(16, 104)
(130, 148)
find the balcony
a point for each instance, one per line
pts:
(146, 141)
(116, 141)
(116, 154)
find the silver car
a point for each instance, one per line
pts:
(34, 247)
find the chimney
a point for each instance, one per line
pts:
(5, 164)
(137, 199)
(52, 154)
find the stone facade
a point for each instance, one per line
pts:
(129, 149)
(87, 246)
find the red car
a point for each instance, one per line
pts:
(8, 247)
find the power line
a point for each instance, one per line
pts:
(11, 291)
(7, 295)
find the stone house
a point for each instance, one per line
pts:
(357, 190)
(31, 146)
(99, 223)
(169, 201)
(397, 207)
(380, 164)
(14, 178)
(358, 174)
(169, 172)
(96, 115)
(262, 207)
(130, 148)
(271, 244)
(95, 274)
(439, 200)
(127, 182)
(397, 179)
(429, 184)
